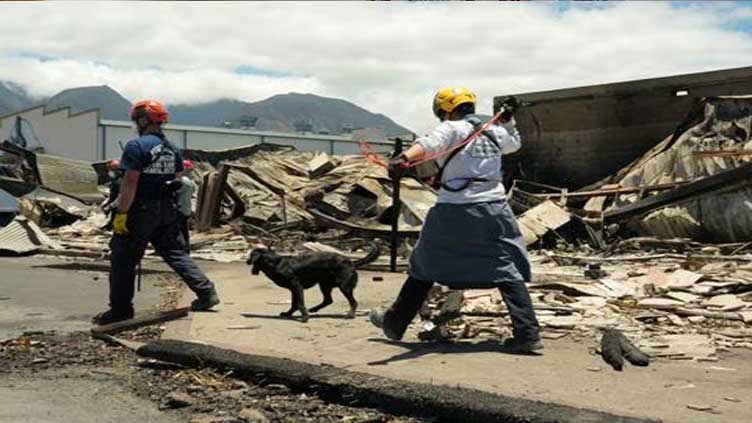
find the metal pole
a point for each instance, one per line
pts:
(396, 204)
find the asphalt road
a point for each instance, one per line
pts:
(44, 294)
(40, 294)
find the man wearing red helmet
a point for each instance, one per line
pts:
(147, 213)
(185, 194)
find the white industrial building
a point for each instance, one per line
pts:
(84, 136)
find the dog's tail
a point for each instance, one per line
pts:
(371, 256)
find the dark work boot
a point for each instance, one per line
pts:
(377, 317)
(521, 346)
(205, 301)
(112, 316)
(397, 318)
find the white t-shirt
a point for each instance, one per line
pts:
(185, 193)
(478, 159)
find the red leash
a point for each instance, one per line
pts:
(367, 150)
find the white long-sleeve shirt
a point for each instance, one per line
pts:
(478, 159)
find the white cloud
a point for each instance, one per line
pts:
(47, 77)
(386, 57)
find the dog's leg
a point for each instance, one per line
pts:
(293, 305)
(326, 291)
(348, 292)
(297, 292)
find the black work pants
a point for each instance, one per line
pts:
(154, 223)
(515, 294)
(185, 231)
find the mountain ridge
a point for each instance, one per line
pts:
(291, 112)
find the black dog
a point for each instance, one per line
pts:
(298, 273)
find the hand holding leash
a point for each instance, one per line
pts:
(397, 165)
(509, 105)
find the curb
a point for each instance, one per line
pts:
(441, 403)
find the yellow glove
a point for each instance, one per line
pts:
(118, 223)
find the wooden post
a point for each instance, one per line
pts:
(284, 209)
(396, 204)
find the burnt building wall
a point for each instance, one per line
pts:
(576, 136)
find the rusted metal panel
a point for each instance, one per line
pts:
(575, 136)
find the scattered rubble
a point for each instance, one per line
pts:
(676, 307)
(659, 251)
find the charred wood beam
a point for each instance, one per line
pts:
(563, 193)
(139, 321)
(210, 198)
(725, 180)
(723, 153)
(359, 229)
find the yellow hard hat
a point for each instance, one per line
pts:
(447, 99)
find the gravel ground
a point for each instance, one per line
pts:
(199, 396)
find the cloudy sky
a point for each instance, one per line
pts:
(389, 57)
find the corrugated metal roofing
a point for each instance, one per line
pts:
(22, 236)
(8, 203)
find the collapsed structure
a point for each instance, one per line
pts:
(683, 207)
(694, 184)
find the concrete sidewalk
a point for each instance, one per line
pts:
(561, 375)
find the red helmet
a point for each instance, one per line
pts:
(113, 164)
(187, 165)
(152, 109)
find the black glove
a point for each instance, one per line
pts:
(510, 104)
(397, 165)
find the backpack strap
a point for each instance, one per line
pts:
(477, 124)
(166, 144)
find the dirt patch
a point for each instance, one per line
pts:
(201, 396)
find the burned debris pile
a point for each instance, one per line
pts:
(694, 184)
(274, 188)
(671, 305)
(44, 191)
(264, 194)
(659, 251)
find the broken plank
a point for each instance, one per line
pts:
(131, 345)
(614, 190)
(320, 165)
(705, 313)
(74, 253)
(503, 313)
(374, 230)
(584, 260)
(659, 303)
(139, 321)
(541, 219)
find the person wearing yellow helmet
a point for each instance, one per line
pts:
(470, 238)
